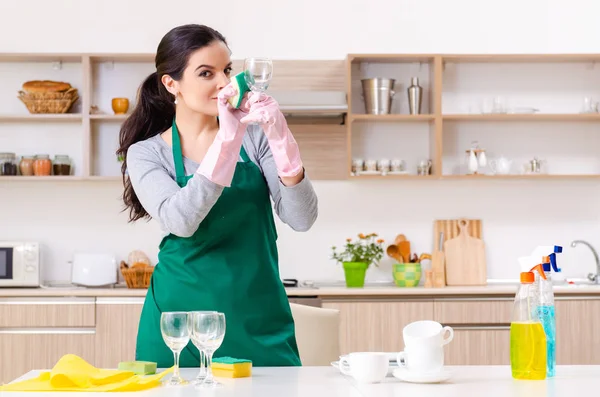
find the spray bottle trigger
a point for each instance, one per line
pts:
(540, 270)
(553, 262)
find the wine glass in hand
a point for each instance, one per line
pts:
(208, 331)
(176, 334)
(258, 73)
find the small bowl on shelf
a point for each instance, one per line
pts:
(407, 274)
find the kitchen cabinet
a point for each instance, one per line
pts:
(577, 330)
(27, 349)
(479, 345)
(116, 330)
(36, 332)
(376, 325)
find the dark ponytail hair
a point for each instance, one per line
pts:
(155, 107)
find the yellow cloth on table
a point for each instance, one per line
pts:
(72, 373)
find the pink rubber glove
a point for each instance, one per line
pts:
(219, 162)
(265, 111)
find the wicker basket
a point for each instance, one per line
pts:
(137, 277)
(49, 102)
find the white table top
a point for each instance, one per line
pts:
(488, 381)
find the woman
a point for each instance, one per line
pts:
(205, 171)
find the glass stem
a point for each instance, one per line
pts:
(209, 375)
(202, 367)
(176, 369)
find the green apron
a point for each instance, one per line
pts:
(229, 265)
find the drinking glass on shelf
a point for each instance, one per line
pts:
(176, 334)
(208, 331)
(202, 372)
(258, 73)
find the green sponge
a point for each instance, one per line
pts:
(239, 83)
(138, 367)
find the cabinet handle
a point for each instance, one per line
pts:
(120, 301)
(480, 327)
(48, 331)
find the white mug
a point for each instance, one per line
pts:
(398, 165)
(422, 358)
(383, 165)
(427, 332)
(365, 367)
(358, 165)
(371, 165)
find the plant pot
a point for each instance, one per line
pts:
(355, 274)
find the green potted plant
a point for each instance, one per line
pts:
(357, 256)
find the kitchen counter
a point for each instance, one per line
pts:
(323, 291)
(489, 381)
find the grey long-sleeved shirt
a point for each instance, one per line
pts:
(181, 210)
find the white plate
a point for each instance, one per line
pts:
(412, 377)
(392, 367)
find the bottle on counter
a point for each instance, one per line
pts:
(546, 313)
(527, 337)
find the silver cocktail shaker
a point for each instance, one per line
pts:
(415, 94)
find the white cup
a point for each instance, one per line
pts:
(358, 165)
(371, 165)
(365, 367)
(421, 358)
(427, 332)
(398, 165)
(383, 165)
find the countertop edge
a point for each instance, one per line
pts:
(321, 292)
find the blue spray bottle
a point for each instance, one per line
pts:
(545, 308)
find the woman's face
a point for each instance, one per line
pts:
(207, 72)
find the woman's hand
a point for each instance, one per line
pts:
(264, 110)
(218, 165)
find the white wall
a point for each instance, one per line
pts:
(517, 215)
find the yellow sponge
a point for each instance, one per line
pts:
(229, 367)
(138, 367)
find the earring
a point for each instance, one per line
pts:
(175, 99)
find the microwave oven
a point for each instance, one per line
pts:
(19, 264)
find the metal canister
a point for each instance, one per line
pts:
(378, 94)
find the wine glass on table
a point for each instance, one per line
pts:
(202, 372)
(176, 334)
(208, 331)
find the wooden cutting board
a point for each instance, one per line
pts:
(450, 229)
(438, 263)
(465, 256)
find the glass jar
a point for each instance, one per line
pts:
(62, 165)
(26, 165)
(42, 165)
(8, 164)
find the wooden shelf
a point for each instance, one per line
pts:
(391, 117)
(98, 80)
(520, 58)
(61, 178)
(524, 176)
(407, 176)
(51, 178)
(523, 117)
(99, 178)
(40, 117)
(423, 58)
(109, 117)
